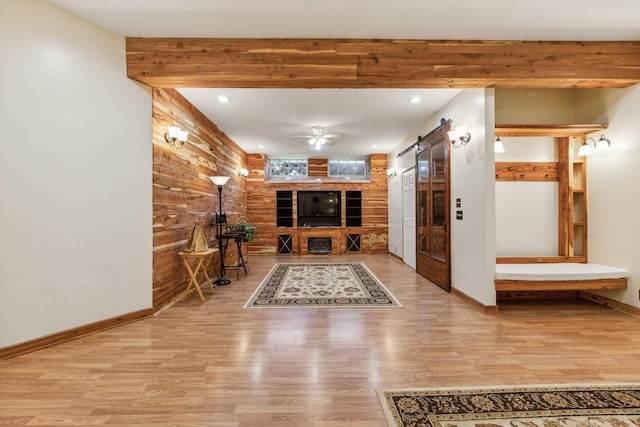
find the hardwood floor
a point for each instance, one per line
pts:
(217, 364)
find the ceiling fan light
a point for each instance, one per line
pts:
(317, 138)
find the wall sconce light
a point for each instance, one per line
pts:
(243, 172)
(603, 144)
(176, 136)
(459, 136)
(498, 146)
(391, 173)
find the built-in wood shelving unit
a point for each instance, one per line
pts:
(353, 208)
(577, 238)
(284, 208)
(570, 172)
(271, 207)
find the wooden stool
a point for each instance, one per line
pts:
(203, 259)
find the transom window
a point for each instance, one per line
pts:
(284, 168)
(354, 168)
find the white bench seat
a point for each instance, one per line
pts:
(558, 276)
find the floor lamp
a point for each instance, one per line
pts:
(220, 181)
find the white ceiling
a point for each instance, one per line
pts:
(369, 120)
(364, 116)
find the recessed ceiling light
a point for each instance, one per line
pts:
(223, 99)
(415, 100)
(260, 146)
(374, 146)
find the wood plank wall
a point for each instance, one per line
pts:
(355, 63)
(261, 205)
(182, 192)
(318, 167)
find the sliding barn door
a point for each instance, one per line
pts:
(433, 246)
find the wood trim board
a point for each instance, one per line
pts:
(559, 130)
(486, 309)
(74, 333)
(540, 259)
(559, 285)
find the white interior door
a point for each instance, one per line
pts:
(409, 217)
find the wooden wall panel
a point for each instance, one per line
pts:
(318, 167)
(261, 206)
(344, 63)
(182, 192)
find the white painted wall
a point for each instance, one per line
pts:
(75, 175)
(527, 211)
(526, 218)
(613, 191)
(472, 177)
(473, 250)
(535, 106)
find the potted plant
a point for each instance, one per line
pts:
(247, 230)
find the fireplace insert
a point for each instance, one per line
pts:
(319, 245)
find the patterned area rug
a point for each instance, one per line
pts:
(532, 406)
(321, 285)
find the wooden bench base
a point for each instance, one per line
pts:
(559, 285)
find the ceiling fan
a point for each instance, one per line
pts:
(318, 138)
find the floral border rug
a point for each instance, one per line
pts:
(531, 406)
(321, 285)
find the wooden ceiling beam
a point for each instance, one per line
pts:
(339, 63)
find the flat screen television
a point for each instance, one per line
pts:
(319, 208)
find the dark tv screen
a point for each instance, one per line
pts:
(319, 208)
